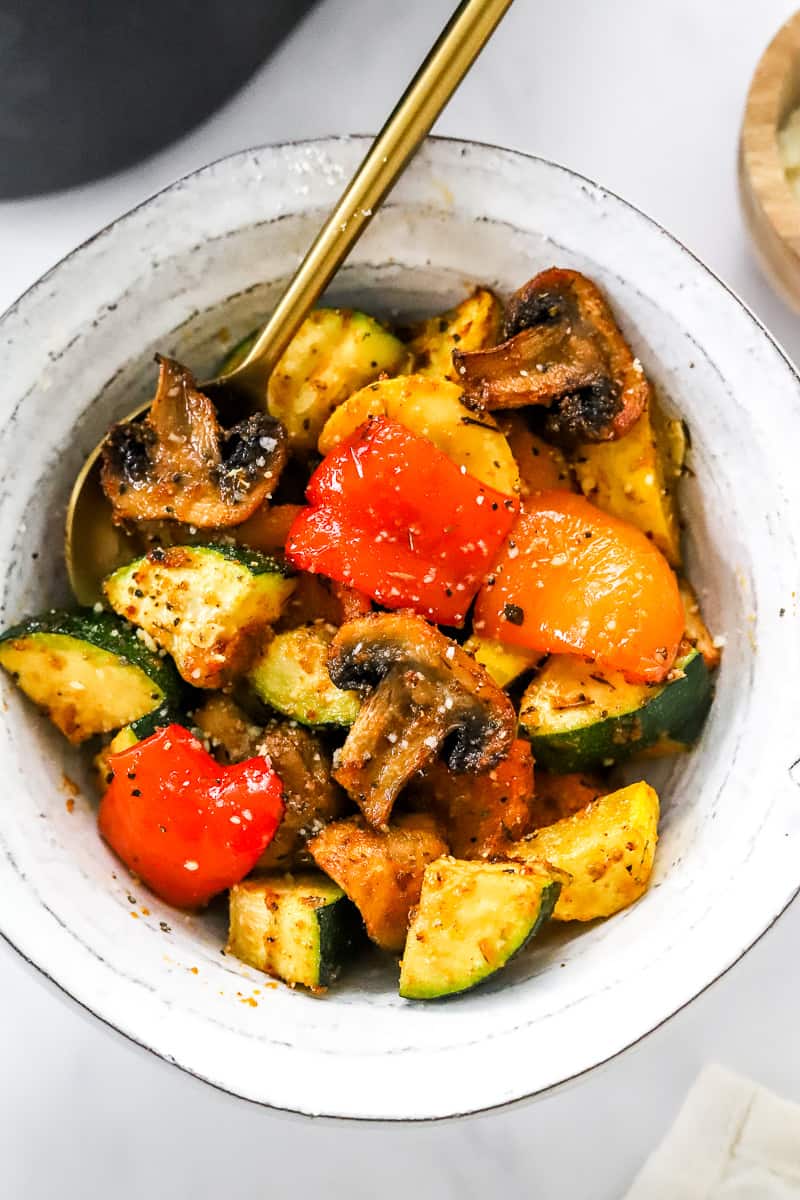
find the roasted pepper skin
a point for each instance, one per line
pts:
(574, 580)
(394, 517)
(186, 825)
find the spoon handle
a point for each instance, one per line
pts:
(450, 58)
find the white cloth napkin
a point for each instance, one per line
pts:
(732, 1140)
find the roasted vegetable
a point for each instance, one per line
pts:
(542, 467)
(381, 872)
(579, 717)
(88, 671)
(433, 409)
(394, 517)
(311, 796)
(298, 928)
(559, 796)
(207, 606)
(697, 632)
(267, 529)
(422, 693)
(231, 734)
(564, 351)
(177, 464)
(291, 675)
(184, 824)
(474, 324)
(573, 580)
(473, 917)
(334, 353)
(317, 598)
(606, 849)
(635, 477)
(503, 662)
(482, 815)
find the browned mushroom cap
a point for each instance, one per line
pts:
(311, 797)
(178, 464)
(563, 350)
(424, 695)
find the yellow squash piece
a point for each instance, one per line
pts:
(607, 848)
(433, 409)
(472, 325)
(504, 663)
(333, 352)
(635, 477)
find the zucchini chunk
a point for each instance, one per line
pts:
(606, 849)
(381, 871)
(207, 606)
(503, 662)
(635, 477)
(473, 917)
(432, 408)
(474, 324)
(292, 677)
(88, 671)
(578, 717)
(333, 353)
(298, 928)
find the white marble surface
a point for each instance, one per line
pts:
(645, 97)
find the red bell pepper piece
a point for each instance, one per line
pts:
(394, 517)
(574, 580)
(186, 825)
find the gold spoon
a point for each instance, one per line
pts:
(94, 546)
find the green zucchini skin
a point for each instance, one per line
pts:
(48, 655)
(674, 712)
(209, 606)
(291, 676)
(157, 719)
(255, 561)
(473, 918)
(341, 933)
(301, 928)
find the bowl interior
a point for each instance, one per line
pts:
(184, 275)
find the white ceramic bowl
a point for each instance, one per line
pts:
(77, 351)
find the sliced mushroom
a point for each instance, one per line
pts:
(563, 350)
(311, 797)
(424, 695)
(178, 464)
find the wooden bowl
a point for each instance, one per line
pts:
(770, 205)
